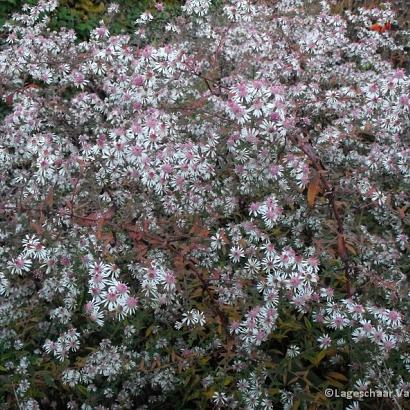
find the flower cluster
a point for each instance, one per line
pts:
(217, 217)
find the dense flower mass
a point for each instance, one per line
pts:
(214, 219)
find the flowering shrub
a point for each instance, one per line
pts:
(217, 219)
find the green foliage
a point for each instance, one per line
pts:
(4, 110)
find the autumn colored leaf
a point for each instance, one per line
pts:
(402, 212)
(351, 249)
(94, 218)
(381, 28)
(341, 246)
(9, 99)
(376, 27)
(134, 232)
(50, 198)
(337, 376)
(313, 190)
(179, 263)
(107, 237)
(37, 228)
(199, 230)
(141, 249)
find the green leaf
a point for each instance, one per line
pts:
(308, 324)
(82, 390)
(228, 380)
(316, 359)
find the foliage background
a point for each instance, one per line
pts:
(84, 15)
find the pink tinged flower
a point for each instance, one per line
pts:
(50, 346)
(151, 123)
(275, 116)
(238, 111)
(367, 327)
(121, 288)
(138, 81)
(295, 281)
(152, 275)
(95, 291)
(73, 345)
(313, 262)
(253, 313)
(72, 333)
(378, 335)
(271, 215)
(97, 278)
(147, 52)
(169, 281)
(242, 91)
(260, 336)
(111, 299)
(393, 318)
(220, 398)
(250, 324)
(399, 76)
(236, 253)
(388, 342)
(271, 297)
(357, 310)
(111, 296)
(101, 141)
(271, 313)
(65, 261)
(97, 316)
(337, 321)
(270, 248)
(268, 321)
(102, 32)
(324, 341)
(239, 169)
(320, 318)
(79, 79)
(327, 293)
(97, 268)
(130, 305)
(268, 264)
(119, 147)
(44, 164)
(166, 169)
(159, 7)
(20, 265)
(153, 137)
(234, 328)
(284, 259)
(137, 150)
(405, 100)
(89, 307)
(253, 209)
(232, 140)
(274, 170)
(358, 335)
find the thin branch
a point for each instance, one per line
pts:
(308, 150)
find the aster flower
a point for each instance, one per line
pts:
(324, 341)
(19, 265)
(236, 253)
